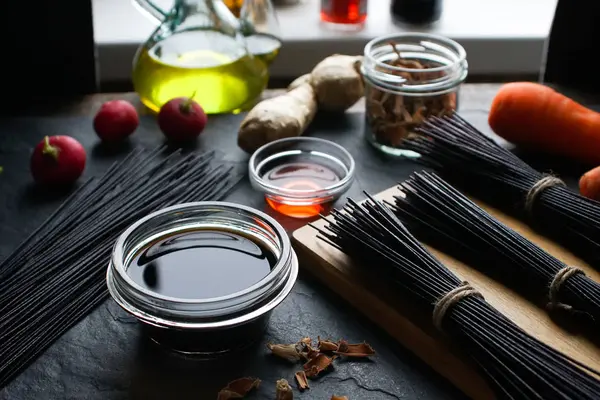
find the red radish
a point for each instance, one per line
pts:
(181, 119)
(57, 160)
(116, 120)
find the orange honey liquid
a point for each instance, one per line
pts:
(301, 176)
(299, 211)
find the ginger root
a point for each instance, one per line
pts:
(299, 81)
(283, 116)
(335, 84)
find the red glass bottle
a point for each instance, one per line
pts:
(344, 12)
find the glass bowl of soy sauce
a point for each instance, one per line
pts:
(203, 277)
(301, 177)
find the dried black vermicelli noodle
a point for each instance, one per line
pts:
(57, 275)
(440, 215)
(469, 159)
(515, 364)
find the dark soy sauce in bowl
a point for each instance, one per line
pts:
(201, 264)
(204, 277)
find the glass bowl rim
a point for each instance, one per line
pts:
(336, 188)
(286, 269)
(449, 43)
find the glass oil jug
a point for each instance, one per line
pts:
(260, 27)
(197, 51)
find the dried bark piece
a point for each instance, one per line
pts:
(375, 109)
(406, 115)
(327, 345)
(301, 380)
(450, 101)
(238, 388)
(419, 115)
(283, 391)
(339, 397)
(306, 340)
(307, 352)
(318, 364)
(413, 64)
(398, 109)
(393, 133)
(355, 350)
(290, 352)
(395, 49)
(312, 353)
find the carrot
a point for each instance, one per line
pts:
(589, 184)
(537, 117)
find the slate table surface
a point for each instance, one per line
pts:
(106, 356)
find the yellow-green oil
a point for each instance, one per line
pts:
(263, 46)
(214, 68)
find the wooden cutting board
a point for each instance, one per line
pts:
(416, 332)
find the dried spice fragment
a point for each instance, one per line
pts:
(306, 350)
(339, 397)
(306, 340)
(238, 388)
(318, 364)
(302, 380)
(327, 345)
(283, 391)
(354, 350)
(393, 117)
(291, 352)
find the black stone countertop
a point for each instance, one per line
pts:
(107, 357)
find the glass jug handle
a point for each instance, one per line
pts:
(153, 11)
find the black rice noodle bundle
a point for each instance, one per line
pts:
(440, 215)
(57, 275)
(471, 160)
(516, 365)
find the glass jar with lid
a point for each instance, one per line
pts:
(409, 77)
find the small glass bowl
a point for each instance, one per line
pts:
(203, 326)
(311, 198)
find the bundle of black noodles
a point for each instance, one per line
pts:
(515, 364)
(470, 160)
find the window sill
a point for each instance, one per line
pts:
(501, 37)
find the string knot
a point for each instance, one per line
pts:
(448, 300)
(536, 190)
(559, 279)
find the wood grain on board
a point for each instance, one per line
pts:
(415, 331)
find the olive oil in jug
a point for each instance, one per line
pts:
(199, 51)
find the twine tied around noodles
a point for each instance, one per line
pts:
(536, 190)
(559, 279)
(448, 300)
